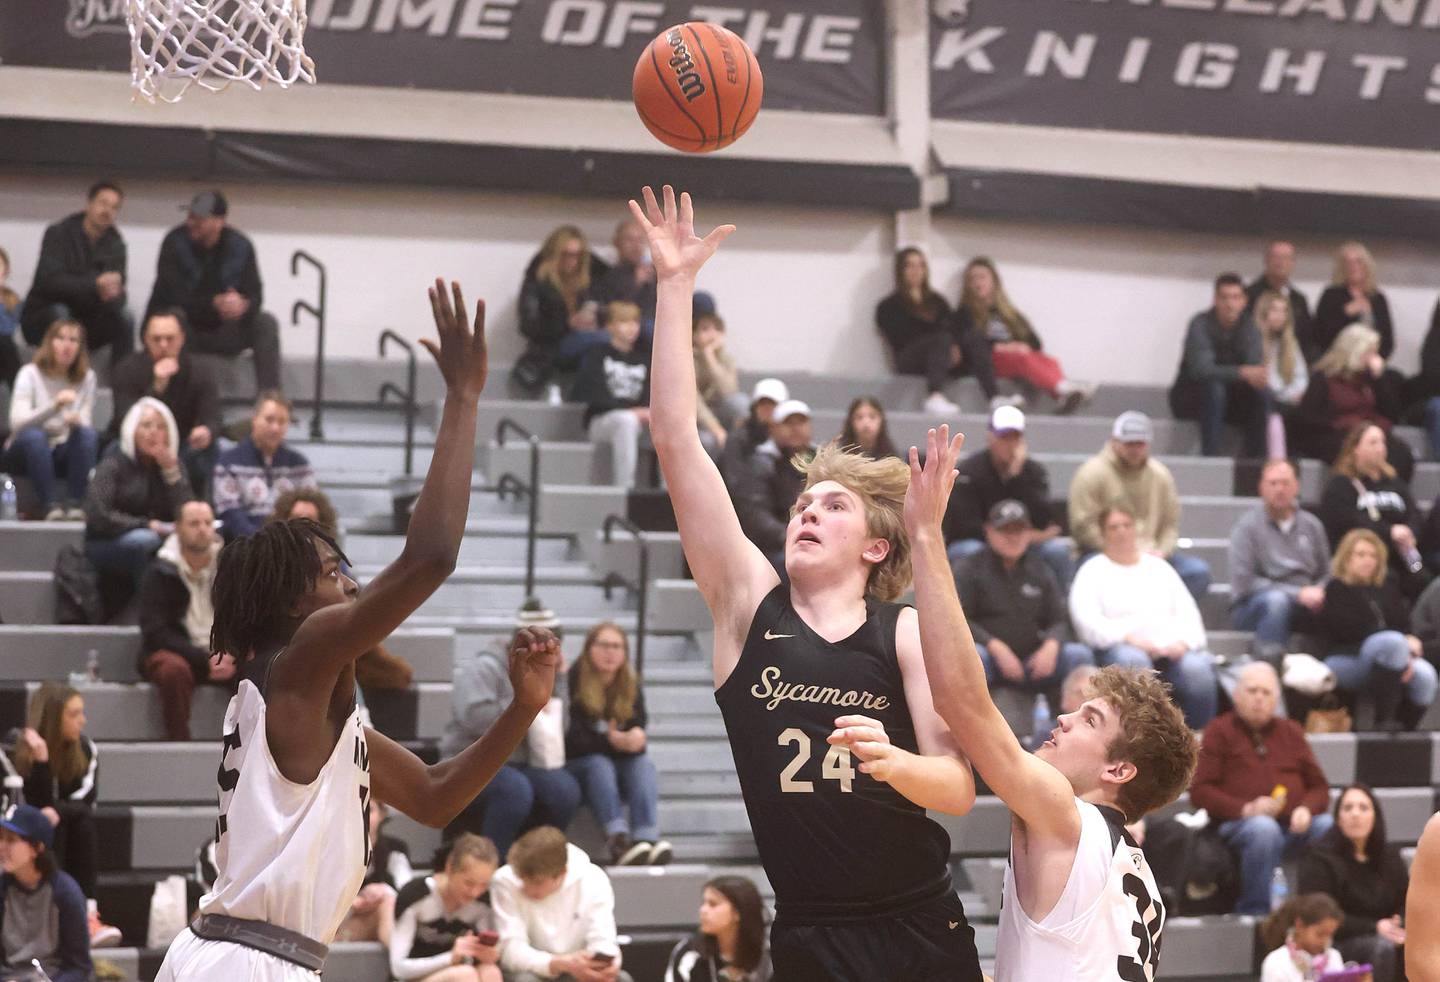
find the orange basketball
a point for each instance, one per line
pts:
(698, 87)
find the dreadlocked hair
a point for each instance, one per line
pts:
(259, 579)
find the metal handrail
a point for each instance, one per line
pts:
(406, 397)
(514, 484)
(317, 428)
(642, 588)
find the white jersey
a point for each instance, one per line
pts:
(1106, 924)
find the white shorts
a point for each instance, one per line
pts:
(192, 959)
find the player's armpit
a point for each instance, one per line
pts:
(1422, 908)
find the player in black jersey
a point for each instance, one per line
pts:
(862, 889)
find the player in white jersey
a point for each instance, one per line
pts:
(1080, 903)
(298, 768)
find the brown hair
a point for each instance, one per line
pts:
(880, 485)
(615, 702)
(47, 707)
(471, 846)
(621, 310)
(1307, 908)
(548, 269)
(1107, 511)
(1282, 350)
(708, 318)
(1347, 545)
(539, 852)
(275, 396)
(1153, 737)
(884, 446)
(1015, 322)
(286, 500)
(1345, 459)
(749, 907)
(45, 355)
(931, 305)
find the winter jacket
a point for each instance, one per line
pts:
(191, 278)
(193, 393)
(246, 485)
(1331, 319)
(1366, 892)
(126, 493)
(979, 487)
(580, 916)
(174, 604)
(67, 269)
(1149, 491)
(764, 492)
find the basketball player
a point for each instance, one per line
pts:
(1079, 902)
(297, 768)
(862, 889)
(1422, 908)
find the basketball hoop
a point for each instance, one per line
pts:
(211, 43)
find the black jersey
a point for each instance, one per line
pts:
(836, 844)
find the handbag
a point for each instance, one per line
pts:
(1329, 716)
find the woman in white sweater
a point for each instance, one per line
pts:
(1134, 610)
(50, 422)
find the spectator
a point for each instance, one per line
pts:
(867, 430)
(1299, 933)
(558, 317)
(311, 503)
(765, 492)
(556, 912)
(1016, 608)
(9, 324)
(1425, 622)
(176, 615)
(1365, 623)
(135, 495)
(632, 278)
(164, 370)
(752, 431)
(51, 415)
(208, 269)
(533, 787)
(924, 338)
(1132, 608)
(1125, 473)
(1422, 392)
(605, 748)
(985, 309)
(42, 907)
(1349, 386)
(1352, 297)
(1279, 560)
(1355, 864)
(81, 276)
(253, 473)
(719, 404)
(1259, 779)
(442, 922)
(372, 912)
(614, 384)
(1282, 358)
(1364, 491)
(1004, 470)
(1222, 378)
(730, 943)
(1279, 268)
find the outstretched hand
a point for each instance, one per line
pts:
(462, 354)
(675, 249)
(534, 662)
(929, 492)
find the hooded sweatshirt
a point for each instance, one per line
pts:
(176, 609)
(580, 916)
(127, 493)
(1149, 491)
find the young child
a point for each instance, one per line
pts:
(614, 384)
(1300, 932)
(444, 931)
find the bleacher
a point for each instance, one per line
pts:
(157, 798)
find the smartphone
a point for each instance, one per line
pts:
(602, 957)
(489, 938)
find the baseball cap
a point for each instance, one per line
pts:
(791, 407)
(29, 822)
(1008, 512)
(770, 388)
(210, 204)
(533, 613)
(1133, 426)
(1007, 419)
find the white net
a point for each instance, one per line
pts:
(211, 43)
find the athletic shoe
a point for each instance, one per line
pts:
(1017, 400)
(636, 855)
(1072, 395)
(661, 853)
(75, 514)
(617, 845)
(56, 514)
(938, 405)
(102, 935)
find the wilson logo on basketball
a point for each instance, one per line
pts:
(697, 87)
(685, 74)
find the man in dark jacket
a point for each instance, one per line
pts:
(753, 430)
(176, 614)
(1279, 268)
(81, 274)
(766, 489)
(209, 270)
(1221, 377)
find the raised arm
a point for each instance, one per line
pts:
(732, 574)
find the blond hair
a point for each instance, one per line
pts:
(880, 485)
(1015, 322)
(1280, 350)
(1337, 276)
(1349, 350)
(547, 270)
(473, 847)
(1347, 546)
(539, 852)
(614, 702)
(621, 310)
(1153, 737)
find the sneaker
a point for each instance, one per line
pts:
(618, 845)
(56, 514)
(75, 514)
(1017, 400)
(661, 853)
(936, 404)
(1072, 395)
(637, 855)
(102, 935)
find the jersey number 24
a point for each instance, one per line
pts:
(835, 766)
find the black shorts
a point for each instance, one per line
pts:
(931, 943)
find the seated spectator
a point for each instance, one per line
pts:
(1259, 779)
(164, 370)
(1422, 391)
(766, 491)
(1349, 386)
(135, 495)
(1221, 378)
(753, 430)
(924, 338)
(1279, 560)
(253, 473)
(81, 276)
(1004, 470)
(42, 905)
(614, 384)
(1353, 296)
(556, 912)
(1288, 378)
(372, 912)
(605, 748)
(1364, 491)
(1298, 935)
(558, 317)
(1365, 625)
(719, 404)
(1132, 608)
(1278, 278)
(985, 310)
(176, 615)
(51, 422)
(632, 277)
(1125, 473)
(208, 269)
(533, 787)
(866, 429)
(730, 945)
(1425, 622)
(442, 922)
(9, 324)
(1356, 865)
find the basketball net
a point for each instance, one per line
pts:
(211, 43)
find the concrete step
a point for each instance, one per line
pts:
(32, 546)
(547, 422)
(27, 597)
(622, 553)
(561, 461)
(1193, 475)
(459, 596)
(578, 509)
(366, 549)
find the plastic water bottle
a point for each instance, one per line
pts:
(1279, 889)
(14, 791)
(92, 665)
(553, 395)
(1040, 728)
(9, 510)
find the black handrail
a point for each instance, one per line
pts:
(407, 397)
(507, 425)
(317, 428)
(642, 587)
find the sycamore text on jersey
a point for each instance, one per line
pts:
(774, 692)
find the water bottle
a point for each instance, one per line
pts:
(1279, 889)
(1040, 729)
(92, 665)
(14, 791)
(9, 510)
(553, 395)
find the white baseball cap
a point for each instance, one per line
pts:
(770, 388)
(1007, 419)
(791, 407)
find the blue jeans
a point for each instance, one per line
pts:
(1262, 844)
(611, 784)
(519, 797)
(128, 554)
(1387, 650)
(30, 454)
(1055, 553)
(1267, 613)
(1192, 675)
(1222, 401)
(1072, 656)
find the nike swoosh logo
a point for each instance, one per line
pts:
(953, 924)
(772, 636)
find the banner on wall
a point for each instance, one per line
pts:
(818, 55)
(1327, 71)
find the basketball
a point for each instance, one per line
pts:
(697, 87)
